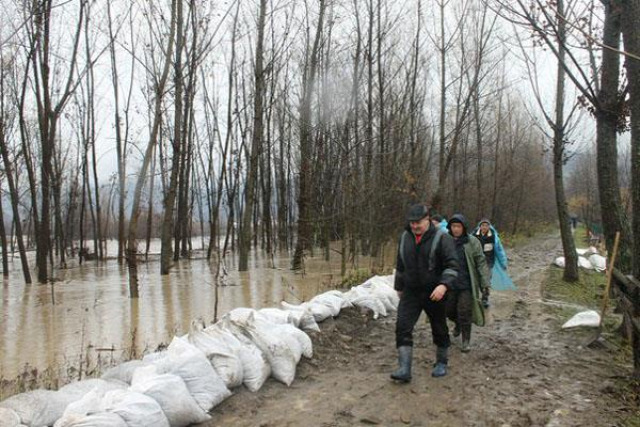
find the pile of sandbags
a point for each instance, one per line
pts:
(589, 259)
(376, 294)
(178, 386)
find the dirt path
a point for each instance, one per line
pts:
(522, 371)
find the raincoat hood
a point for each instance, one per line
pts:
(460, 219)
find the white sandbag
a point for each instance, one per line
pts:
(240, 314)
(331, 300)
(136, 409)
(302, 319)
(90, 403)
(302, 339)
(363, 298)
(319, 312)
(388, 280)
(81, 388)
(9, 418)
(224, 360)
(584, 263)
(339, 294)
(305, 320)
(301, 314)
(255, 366)
(559, 262)
(150, 358)
(381, 288)
(587, 318)
(277, 351)
(278, 316)
(190, 364)
(372, 303)
(89, 411)
(582, 251)
(100, 419)
(172, 395)
(123, 372)
(599, 262)
(39, 407)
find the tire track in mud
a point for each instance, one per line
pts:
(522, 371)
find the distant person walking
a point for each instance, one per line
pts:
(426, 269)
(492, 249)
(440, 222)
(463, 303)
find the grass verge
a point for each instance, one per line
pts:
(588, 292)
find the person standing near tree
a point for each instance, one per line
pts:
(492, 249)
(426, 269)
(463, 302)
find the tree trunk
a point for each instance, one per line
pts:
(568, 245)
(256, 142)
(132, 261)
(304, 193)
(631, 36)
(607, 123)
(170, 195)
(120, 144)
(13, 192)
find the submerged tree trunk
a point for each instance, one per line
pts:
(13, 192)
(304, 192)
(159, 91)
(256, 142)
(170, 196)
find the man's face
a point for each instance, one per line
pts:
(456, 229)
(484, 228)
(419, 227)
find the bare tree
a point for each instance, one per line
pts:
(159, 86)
(49, 112)
(256, 142)
(631, 36)
(304, 193)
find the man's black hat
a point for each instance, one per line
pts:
(417, 212)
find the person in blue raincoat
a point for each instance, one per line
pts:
(492, 249)
(440, 222)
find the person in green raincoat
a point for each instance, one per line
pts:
(464, 304)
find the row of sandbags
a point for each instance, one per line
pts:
(589, 259)
(180, 385)
(376, 294)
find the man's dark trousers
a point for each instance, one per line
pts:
(412, 303)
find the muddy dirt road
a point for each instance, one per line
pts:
(522, 371)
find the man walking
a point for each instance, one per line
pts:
(426, 268)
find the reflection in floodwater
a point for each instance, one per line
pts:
(88, 312)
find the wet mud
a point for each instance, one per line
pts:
(522, 371)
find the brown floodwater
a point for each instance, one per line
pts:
(87, 313)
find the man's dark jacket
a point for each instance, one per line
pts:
(413, 266)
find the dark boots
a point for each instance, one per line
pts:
(485, 301)
(466, 339)
(456, 331)
(440, 367)
(403, 373)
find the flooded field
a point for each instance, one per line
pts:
(87, 314)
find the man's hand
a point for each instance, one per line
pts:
(438, 293)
